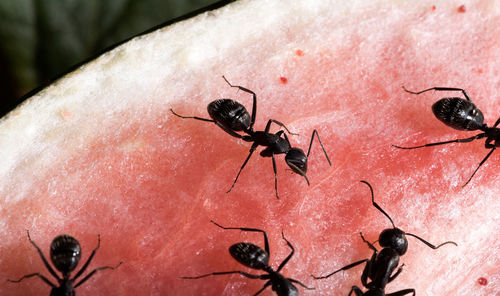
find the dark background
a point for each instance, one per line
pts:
(41, 40)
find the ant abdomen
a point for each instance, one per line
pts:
(230, 114)
(65, 252)
(459, 114)
(250, 255)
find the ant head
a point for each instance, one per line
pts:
(230, 114)
(296, 159)
(65, 253)
(395, 239)
(250, 255)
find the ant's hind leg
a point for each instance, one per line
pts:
(32, 275)
(341, 269)
(254, 96)
(96, 270)
(191, 117)
(282, 264)
(266, 242)
(275, 177)
(438, 89)
(480, 164)
(252, 149)
(84, 267)
(466, 140)
(248, 275)
(45, 262)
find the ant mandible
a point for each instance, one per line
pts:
(65, 253)
(380, 267)
(462, 114)
(255, 257)
(233, 117)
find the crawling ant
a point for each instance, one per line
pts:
(380, 267)
(462, 114)
(255, 257)
(233, 117)
(65, 253)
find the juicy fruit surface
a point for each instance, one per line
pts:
(98, 152)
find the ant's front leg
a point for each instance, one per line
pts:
(402, 292)
(315, 132)
(356, 291)
(268, 127)
(395, 275)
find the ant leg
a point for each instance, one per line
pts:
(301, 284)
(343, 268)
(315, 132)
(496, 123)
(282, 264)
(480, 164)
(275, 176)
(429, 244)
(232, 133)
(254, 107)
(439, 89)
(370, 245)
(402, 292)
(252, 149)
(266, 242)
(96, 270)
(267, 284)
(248, 275)
(84, 267)
(368, 270)
(32, 275)
(376, 205)
(466, 140)
(395, 275)
(268, 126)
(47, 265)
(192, 117)
(356, 291)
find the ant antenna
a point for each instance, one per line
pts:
(376, 205)
(429, 244)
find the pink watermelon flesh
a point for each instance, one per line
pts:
(98, 152)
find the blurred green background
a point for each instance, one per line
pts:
(41, 40)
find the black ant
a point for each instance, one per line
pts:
(255, 257)
(232, 117)
(381, 265)
(65, 253)
(462, 114)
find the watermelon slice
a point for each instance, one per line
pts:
(98, 151)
